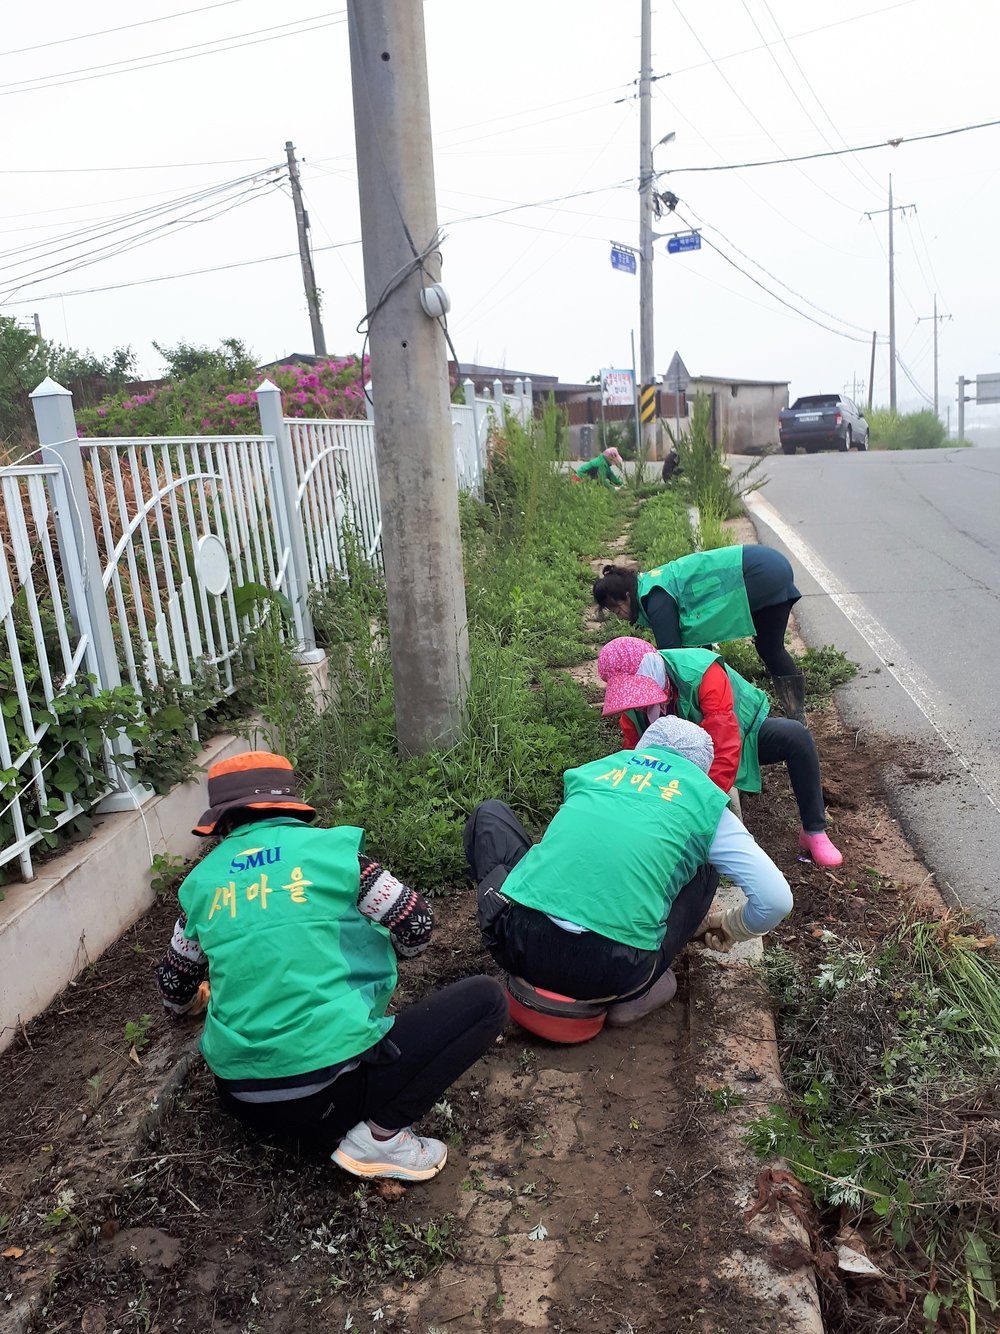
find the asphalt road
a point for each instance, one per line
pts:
(897, 556)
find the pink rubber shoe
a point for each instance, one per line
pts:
(819, 848)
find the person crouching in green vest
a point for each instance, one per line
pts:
(708, 597)
(289, 935)
(696, 684)
(623, 877)
(599, 469)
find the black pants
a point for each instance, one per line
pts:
(437, 1039)
(784, 741)
(770, 624)
(528, 944)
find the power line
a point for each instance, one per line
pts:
(776, 296)
(816, 98)
(293, 254)
(108, 225)
(122, 27)
(774, 277)
(795, 36)
(106, 72)
(839, 152)
(251, 189)
(149, 166)
(748, 109)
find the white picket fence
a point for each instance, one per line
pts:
(136, 560)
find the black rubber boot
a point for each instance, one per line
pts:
(792, 694)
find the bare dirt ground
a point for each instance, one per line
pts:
(585, 1189)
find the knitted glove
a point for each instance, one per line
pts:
(725, 929)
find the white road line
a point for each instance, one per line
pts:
(890, 653)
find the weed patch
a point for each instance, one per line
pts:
(891, 1056)
(825, 668)
(526, 550)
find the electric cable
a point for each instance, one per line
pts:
(895, 142)
(46, 82)
(749, 110)
(122, 27)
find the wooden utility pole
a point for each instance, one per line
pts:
(421, 542)
(937, 320)
(305, 253)
(893, 208)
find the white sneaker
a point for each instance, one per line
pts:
(406, 1157)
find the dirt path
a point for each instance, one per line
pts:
(586, 1191)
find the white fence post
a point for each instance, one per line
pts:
(528, 407)
(56, 425)
(272, 423)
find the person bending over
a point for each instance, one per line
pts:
(623, 877)
(287, 940)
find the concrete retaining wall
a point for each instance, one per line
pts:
(82, 900)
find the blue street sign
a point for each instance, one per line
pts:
(623, 259)
(687, 241)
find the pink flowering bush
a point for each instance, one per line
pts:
(198, 405)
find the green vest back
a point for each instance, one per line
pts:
(686, 667)
(710, 593)
(300, 979)
(598, 465)
(631, 832)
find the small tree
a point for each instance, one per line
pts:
(231, 360)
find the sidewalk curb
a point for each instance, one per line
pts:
(746, 1060)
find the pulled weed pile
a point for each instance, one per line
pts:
(891, 1056)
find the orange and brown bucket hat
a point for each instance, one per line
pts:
(254, 781)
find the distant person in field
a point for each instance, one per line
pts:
(600, 469)
(623, 877)
(287, 941)
(644, 684)
(711, 596)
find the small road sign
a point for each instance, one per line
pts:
(686, 241)
(677, 378)
(622, 258)
(647, 403)
(988, 388)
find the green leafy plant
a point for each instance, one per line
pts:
(166, 871)
(137, 1032)
(891, 1056)
(709, 483)
(906, 430)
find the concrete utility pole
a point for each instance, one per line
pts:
(871, 370)
(963, 398)
(647, 362)
(421, 542)
(305, 253)
(892, 310)
(893, 208)
(937, 319)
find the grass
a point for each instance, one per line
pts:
(891, 1057)
(526, 549)
(825, 668)
(709, 483)
(906, 430)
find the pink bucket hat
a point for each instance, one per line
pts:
(623, 654)
(613, 456)
(625, 691)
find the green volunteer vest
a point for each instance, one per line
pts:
(300, 979)
(686, 667)
(602, 467)
(631, 832)
(710, 593)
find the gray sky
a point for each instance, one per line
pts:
(527, 103)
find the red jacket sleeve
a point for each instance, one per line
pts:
(629, 731)
(715, 699)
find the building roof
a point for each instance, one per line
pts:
(474, 372)
(729, 379)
